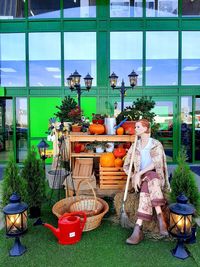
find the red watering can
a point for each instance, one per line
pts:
(70, 227)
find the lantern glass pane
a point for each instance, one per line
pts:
(24, 219)
(14, 224)
(180, 224)
(133, 81)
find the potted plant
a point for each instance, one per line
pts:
(13, 182)
(33, 173)
(75, 117)
(141, 108)
(183, 181)
(68, 104)
(98, 118)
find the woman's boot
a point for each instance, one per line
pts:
(162, 224)
(136, 236)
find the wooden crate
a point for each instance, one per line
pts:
(112, 177)
(83, 168)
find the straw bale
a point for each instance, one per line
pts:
(131, 206)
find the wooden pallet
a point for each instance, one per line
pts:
(112, 177)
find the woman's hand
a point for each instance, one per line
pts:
(136, 182)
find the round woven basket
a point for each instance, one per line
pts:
(91, 206)
(92, 222)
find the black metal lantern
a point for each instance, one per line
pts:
(74, 84)
(42, 147)
(181, 224)
(16, 222)
(113, 80)
(133, 78)
(113, 83)
(88, 81)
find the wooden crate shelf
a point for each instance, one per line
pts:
(112, 177)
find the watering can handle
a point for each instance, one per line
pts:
(117, 126)
(80, 214)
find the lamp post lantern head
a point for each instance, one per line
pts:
(16, 222)
(88, 81)
(181, 224)
(70, 82)
(133, 78)
(76, 77)
(113, 80)
(42, 146)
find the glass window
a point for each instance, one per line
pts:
(197, 128)
(79, 8)
(126, 8)
(43, 9)
(161, 8)
(10, 9)
(186, 125)
(12, 59)
(80, 54)
(126, 55)
(190, 58)
(190, 8)
(162, 58)
(21, 128)
(44, 59)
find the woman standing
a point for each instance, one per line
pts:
(149, 179)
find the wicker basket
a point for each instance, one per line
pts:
(91, 206)
(92, 222)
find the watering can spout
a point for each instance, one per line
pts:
(55, 231)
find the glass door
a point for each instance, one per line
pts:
(166, 110)
(197, 129)
(6, 128)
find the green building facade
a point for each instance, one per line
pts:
(43, 42)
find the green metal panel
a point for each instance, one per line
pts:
(80, 25)
(162, 24)
(44, 26)
(190, 24)
(41, 109)
(13, 26)
(124, 25)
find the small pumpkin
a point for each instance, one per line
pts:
(107, 160)
(119, 152)
(96, 128)
(120, 131)
(118, 162)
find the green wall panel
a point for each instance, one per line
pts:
(44, 26)
(88, 105)
(41, 109)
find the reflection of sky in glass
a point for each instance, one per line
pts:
(126, 55)
(162, 56)
(164, 8)
(12, 59)
(80, 54)
(44, 58)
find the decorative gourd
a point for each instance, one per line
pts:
(118, 162)
(107, 160)
(96, 129)
(120, 131)
(119, 152)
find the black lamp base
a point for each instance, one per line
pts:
(180, 251)
(18, 249)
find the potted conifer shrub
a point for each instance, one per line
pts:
(13, 182)
(183, 181)
(33, 173)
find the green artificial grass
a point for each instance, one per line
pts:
(104, 246)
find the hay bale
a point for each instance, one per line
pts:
(131, 206)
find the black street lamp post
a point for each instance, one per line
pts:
(42, 147)
(74, 84)
(113, 83)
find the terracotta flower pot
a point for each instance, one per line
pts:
(76, 128)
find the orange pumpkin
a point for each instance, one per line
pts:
(96, 129)
(107, 160)
(119, 152)
(120, 131)
(118, 162)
